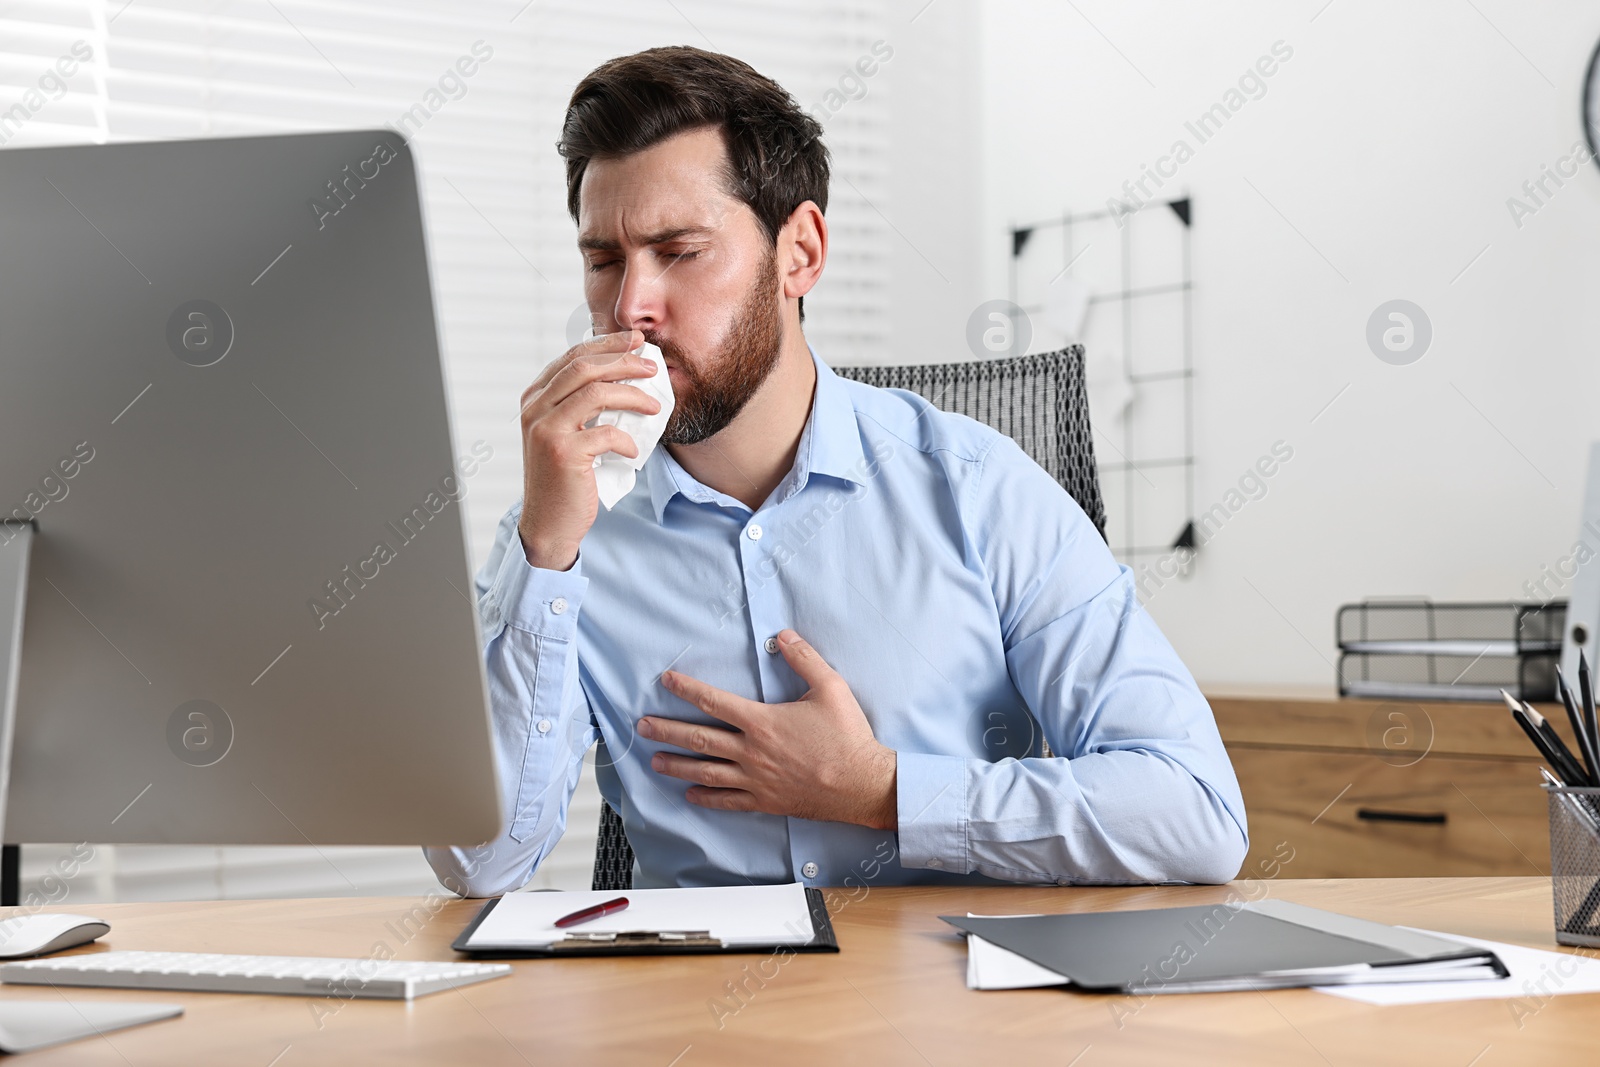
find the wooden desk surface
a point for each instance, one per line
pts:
(894, 995)
(1311, 718)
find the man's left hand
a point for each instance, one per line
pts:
(815, 758)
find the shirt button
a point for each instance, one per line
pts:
(544, 726)
(771, 645)
(936, 862)
(810, 870)
(754, 531)
(558, 606)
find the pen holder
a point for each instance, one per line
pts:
(1575, 863)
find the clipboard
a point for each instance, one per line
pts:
(648, 943)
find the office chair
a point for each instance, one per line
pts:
(1039, 401)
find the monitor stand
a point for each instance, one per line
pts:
(16, 545)
(23, 1025)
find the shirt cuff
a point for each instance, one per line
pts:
(931, 798)
(535, 599)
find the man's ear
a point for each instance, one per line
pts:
(802, 249)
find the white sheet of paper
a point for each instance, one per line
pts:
(738, 915)
(991, 967)
(1535, 973)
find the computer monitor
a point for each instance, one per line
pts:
(237, 552)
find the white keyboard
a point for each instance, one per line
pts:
(211, 972)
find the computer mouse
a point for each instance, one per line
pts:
(45, 932)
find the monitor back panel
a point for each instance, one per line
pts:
(248, 617)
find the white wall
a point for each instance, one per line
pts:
(935, 174)
(1390, 141)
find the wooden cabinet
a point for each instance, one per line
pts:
(1374, 789)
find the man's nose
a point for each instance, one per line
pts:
(639, 299)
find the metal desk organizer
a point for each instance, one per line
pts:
(1575, 863)
(1421, 650)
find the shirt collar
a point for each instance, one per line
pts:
(830, 445)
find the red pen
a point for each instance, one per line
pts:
(583, 915)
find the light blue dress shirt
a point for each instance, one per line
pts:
(967, 600)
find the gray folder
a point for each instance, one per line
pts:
(1269, 944)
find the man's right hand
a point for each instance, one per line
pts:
(560, 500)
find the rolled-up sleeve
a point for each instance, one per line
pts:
(542, 722)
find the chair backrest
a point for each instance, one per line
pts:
(1039, 401)
(613, 856)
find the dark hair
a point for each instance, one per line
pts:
(776, 158)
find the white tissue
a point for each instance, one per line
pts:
(614, 474)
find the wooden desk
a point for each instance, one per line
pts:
(894, 995)
(1386, 789)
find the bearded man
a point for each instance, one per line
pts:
(827, 635)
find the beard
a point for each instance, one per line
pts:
(709, 398)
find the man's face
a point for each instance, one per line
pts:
(669, 253)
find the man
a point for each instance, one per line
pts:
(828, 632)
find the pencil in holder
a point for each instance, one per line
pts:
(1575, 863)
